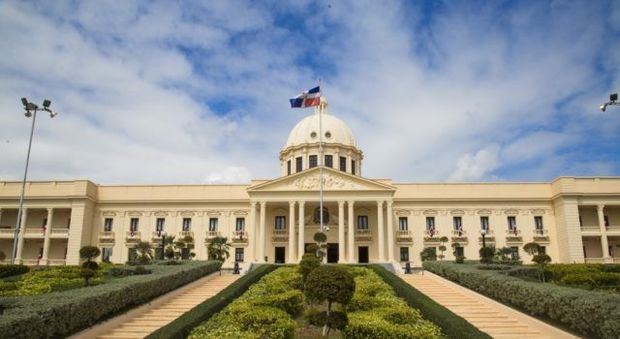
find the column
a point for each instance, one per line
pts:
(390, 232)
(261, 235)
(301, 244)
(291, 232)
(20, 239)
(48, 231)
(351, 255)
(253, 232)
(601, 224)
(380, 237)
(341, 251)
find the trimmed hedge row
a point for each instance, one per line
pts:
(63, 313)
(11, 270)
(590, 313)
(182, 326)
(452, 325)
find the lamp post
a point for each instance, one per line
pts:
(483, 232)
(31, 111)
(613, 101)
(162, 235)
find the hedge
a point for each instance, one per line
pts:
(452, 325)
(11, 270)
(182, 326)
(590, 313)
(60, 314)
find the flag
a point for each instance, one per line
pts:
(307, 99)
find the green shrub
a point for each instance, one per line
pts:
(593, 314)
(486, 254)
(494, 267)
(372, 324)
(139, 270)
(428, 253)
(11, 270)
(308, 263)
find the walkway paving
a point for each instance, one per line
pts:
(497, 320)
(142, 321)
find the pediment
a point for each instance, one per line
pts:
(333, 180)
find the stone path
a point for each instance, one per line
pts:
(497, 320)
(140, 322)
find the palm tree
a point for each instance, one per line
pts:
(144, 250)
(218, 249)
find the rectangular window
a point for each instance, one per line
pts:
(187, 224)
(404, 254)
(329, 160)
(239, 254)
(430, 223)
(403, 224)
(362, 222)
(298, 164)
(159, 224)
(538, 221)
(133, 224)
(106, 254)
(240, 224)
(484, 223)
(459, 251)
(343, 164)
(280, 222)
(212, 224)
(457, 223)
(515, 252)
(107, 224)
(353, 167)
(312, 161)
(512, 222)
(606, 220)
(288, 167)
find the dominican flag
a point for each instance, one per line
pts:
(307, 99)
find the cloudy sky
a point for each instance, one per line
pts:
(197, 92)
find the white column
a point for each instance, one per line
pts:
(20, 239)
(601, 224)
(301, 244)
(341, 251)
(390, 232)
(291, 232)
(253, 232)
(261, 235)
(380, 238)
(351, 255)
(48, 231)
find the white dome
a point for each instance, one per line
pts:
(334, 131)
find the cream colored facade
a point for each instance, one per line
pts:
(577, 219)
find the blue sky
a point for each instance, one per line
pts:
(197, 92)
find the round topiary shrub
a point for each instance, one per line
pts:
(309, 262)
(87, 274)
(90, 265)
(320, 237)
(486, 254)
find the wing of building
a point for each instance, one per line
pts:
(576, 219)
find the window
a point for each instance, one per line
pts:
(484, 223)
(512, 222)
(238, 254)
(240, 224)
(404, 254)
(280, 222)
(212, 224)
(459, 251)
(538, 221)
(329, 160)
(403, 224)
(106, 254)
(343, 164)
(288, 167)
(107, 224)
(298, 164)
(515, 252)
(606, 220)
(133, 224)
(312, 161)
(317, 216)
(159, 224)
(457, 222)
(187, 224)
(353, 167)
(44, 222)
(430, 223)
(362, 222)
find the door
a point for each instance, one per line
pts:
(280, 255)
(362, 254)
(332, 253)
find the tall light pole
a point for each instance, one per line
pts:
(31, 112)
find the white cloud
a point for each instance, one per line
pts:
(472, 167)
(227, 175)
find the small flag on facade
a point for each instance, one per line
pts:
(307, 99)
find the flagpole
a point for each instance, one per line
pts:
(321, 161)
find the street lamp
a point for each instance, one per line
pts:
(31, 110)
(613, 101)
(483, 232)
(162, 235)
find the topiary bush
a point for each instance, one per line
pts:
(309, 262)
(11, 270)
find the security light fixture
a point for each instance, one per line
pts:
(613, 101)
(46, 103)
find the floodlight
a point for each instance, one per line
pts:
(25, 102)
(52, 113)
(28, 114)
(613, 97)
(603, 107)
(46, 103)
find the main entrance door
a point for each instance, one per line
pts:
(332, 253)
(362, 254)
(280, 255)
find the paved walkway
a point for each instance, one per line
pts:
(497, 320)
(145, 319)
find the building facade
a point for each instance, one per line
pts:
(575, 219)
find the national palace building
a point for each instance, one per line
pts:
(575, 219)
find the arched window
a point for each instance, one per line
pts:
(317, 216)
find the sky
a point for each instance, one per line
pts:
(193, 92)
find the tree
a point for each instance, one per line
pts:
(531, 248)
(542, 260)
(321, 239)
(428, 254)
(87, 274)
(442, 247)
(331, 284)
(309, 262)
(504, 252)
(218, 249)
(487, 254)
(144, 250)
(89, 253)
